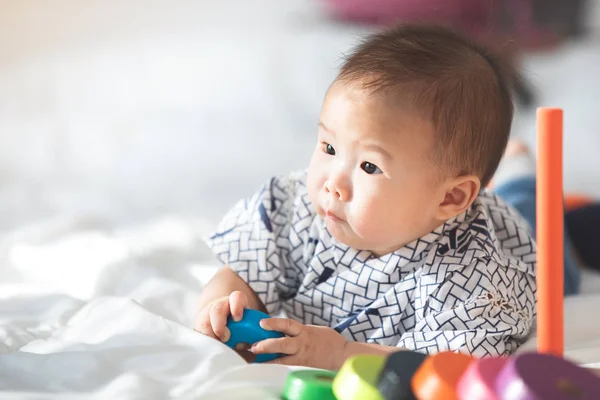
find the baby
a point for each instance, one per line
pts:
(388, 240)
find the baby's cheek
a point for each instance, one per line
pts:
(392, 216)
(369, 219)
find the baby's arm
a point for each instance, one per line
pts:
(312, 345)
(226, 293)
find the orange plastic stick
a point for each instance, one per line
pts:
(550, 238)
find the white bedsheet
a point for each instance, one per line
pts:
(92, 310)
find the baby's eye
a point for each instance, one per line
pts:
(370, 168)
(329, 149)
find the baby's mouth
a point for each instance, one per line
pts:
(331, 215)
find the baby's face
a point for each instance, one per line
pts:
(370, 176)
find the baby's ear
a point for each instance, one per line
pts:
(459, 195)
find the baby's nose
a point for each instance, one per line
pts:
(340, 190)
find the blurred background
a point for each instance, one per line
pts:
(132, 109)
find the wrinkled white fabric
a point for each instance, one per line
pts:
(97, 312)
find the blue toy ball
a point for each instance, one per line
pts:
(249, 331)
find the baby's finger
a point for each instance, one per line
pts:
(218, 320)
(237, 302)
(284, 325)
(202, 324)
(285, 345)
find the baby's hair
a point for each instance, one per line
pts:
(466, 92)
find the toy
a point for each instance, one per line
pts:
(438, 376)
(544, 376)
(249, 331)
(396, 376)
(550, 224)
(448, 376)
(479, 380)
(357, 379)
(309, 384)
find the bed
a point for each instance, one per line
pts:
(121, 327)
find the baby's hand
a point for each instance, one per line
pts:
(212, 319)
(305, 345)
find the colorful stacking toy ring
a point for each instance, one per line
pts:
(357, 379)
(438, 376)
(479, 380)
(397, 373)
(542, 376)
(309, 385)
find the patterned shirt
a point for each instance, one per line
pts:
(468, 286)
